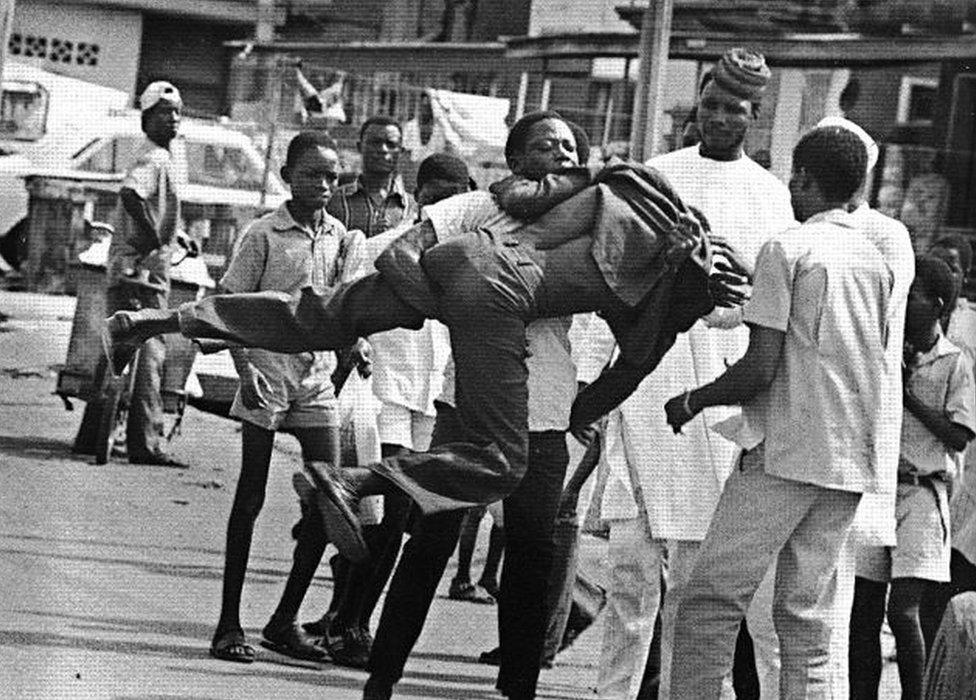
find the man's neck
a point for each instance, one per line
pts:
(377, 183)
(304, 215)
(723, 156)
(160, 141)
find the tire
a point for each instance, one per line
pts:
(113, 416)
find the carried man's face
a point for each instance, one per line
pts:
(550, 146)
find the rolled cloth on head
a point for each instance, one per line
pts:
(742, 72)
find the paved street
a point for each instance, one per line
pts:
(110, 576)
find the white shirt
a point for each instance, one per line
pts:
(941, 378)
(681, 476)
(874, 523)
(552, 374)
(826, 286)
(408, 365)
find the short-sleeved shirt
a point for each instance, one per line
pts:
(352, 205)
(962, 328)
(826, 286)
(277, 253)
(941, 378)
(153, 177)
(552, 374)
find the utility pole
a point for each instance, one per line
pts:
(264, 21)
(6, 21)
(655, 43)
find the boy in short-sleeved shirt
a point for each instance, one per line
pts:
(298, 245)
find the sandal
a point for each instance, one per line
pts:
(291, 641)
(470, 593)
(232, 646)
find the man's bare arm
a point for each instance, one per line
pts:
(136, 207)
(741, 382)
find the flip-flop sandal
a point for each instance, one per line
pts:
(341, 523)
(232, 646)
(303, 652)
(471, 593)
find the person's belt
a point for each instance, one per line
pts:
(919, 479)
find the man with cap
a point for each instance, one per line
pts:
(663, 488)
(147, 226)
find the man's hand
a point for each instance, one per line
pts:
(678, 411)
(255, 388)
(683, 238)
(362, 355)
(190, 245)
(731, 275)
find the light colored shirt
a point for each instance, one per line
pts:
(277, 253)
(408, 365)
(962, 328)
(875, 523)
(941, 378)
(153, 177)
(552, 374)
(826, 286)
(681, 477)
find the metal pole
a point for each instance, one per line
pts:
(264, 21)
(608, 121)
(546, 89)
(655, 39)
(6, 20)
(523, 92)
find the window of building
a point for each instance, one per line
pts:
(54, 49)
(916, 100)
(23, 110)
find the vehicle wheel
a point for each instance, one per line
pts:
(113, 419)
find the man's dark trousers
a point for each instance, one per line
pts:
(145, 429)
(529, 516)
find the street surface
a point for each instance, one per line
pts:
(110, 576)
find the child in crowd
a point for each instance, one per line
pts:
(959, 321)
(295, 246)
(939, 421)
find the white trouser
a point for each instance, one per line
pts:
(637, 564)
(762, 519)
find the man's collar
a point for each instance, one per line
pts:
(833, 216)
(943, 346)
(282, 220)
(397, 188)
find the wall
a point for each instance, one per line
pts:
(575, 16)
(71, 35)
(191, 55)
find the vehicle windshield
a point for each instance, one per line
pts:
(219, 165)
(23, 110)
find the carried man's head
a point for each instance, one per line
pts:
(543, 142)
(380, 144)
(311, 168)
(441, 176)
(828, 169)
(161, 107)
(728, 102)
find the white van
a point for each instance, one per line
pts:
(51, 124)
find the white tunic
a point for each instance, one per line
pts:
(681, 476)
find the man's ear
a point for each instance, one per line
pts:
(514, 163)
(285, 173)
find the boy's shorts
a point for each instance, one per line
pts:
(399, 425)
(302, 395)
(923, 550)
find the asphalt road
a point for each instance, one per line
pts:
(110, 575)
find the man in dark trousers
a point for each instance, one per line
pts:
(147, 226)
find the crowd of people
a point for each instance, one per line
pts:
(779, 387)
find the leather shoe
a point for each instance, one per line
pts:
(336, 503)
